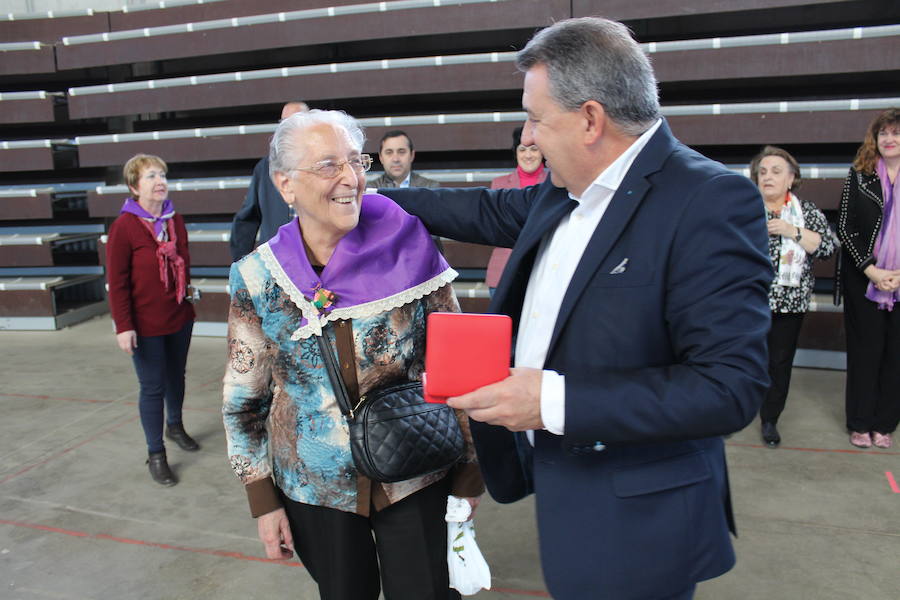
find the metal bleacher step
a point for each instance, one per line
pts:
(49, 302)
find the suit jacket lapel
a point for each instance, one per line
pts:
(621, 208)
(551, 206)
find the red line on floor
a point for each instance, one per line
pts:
(892, 482)
(222, 553)
(184, 408)
(69, 449)
(825, 450)
(120, 540)
(45, 397)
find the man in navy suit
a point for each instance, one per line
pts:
(637, 284)
(264, 210)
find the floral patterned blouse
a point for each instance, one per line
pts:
(785, 299)
(282, 421)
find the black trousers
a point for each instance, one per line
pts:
(407, 555)
(782, 341)
(873, 358)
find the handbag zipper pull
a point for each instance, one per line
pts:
(355, 408)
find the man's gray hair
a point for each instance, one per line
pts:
(596, 59)
(286, 148)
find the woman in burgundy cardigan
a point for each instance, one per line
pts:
(529, 171)
(148, 271)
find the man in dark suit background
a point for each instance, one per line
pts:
(638, 289)
(396, 154)
(264, 210)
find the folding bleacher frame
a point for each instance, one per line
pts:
(808, 45)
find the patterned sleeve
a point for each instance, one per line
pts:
(247, 396)
(442, 299)
(466, 481)
(815, 220)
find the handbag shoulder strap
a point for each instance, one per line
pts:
(346, 353)
(343, 334)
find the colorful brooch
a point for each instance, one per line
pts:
(323, 299)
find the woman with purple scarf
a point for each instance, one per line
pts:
(869, 230)
(148, 272)
(360, 271)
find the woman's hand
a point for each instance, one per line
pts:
(127, 341)
(275, 534)
(890, 282)
(473, 502)
(882, 279)
(782, 228)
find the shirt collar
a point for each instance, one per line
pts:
(611, 177)
(405, 182)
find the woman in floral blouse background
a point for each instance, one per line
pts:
(798, 233)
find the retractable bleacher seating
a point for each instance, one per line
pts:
(201, 84)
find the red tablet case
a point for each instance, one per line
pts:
(464, 352)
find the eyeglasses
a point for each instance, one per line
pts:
(329, 169)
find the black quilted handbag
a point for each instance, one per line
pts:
(394, 434)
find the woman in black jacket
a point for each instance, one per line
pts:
(869, 231)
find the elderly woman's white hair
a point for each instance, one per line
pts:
(285, 154)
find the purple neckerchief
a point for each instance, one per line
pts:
(887, 248)
(159, 223)
(388, 253)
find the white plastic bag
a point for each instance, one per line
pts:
(469, 572)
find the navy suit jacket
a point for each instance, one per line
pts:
(263, 211)
(660, 360)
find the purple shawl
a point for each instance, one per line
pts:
(887, 246)
(387, 261)
(159, 223)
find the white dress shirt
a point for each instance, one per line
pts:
(558, 256)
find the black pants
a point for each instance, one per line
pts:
(409, 544)
(873, 358)
(160, 361)
(782, 341)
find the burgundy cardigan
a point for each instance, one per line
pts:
(137, 299)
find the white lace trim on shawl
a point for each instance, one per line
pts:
(316, 321)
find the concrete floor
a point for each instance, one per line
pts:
(81, 519)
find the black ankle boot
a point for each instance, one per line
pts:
(770, 435)
(177, 434)
(159, 469)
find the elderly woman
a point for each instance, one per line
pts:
(798, 233)
(529, 171)
(360, 271)
(869, 230)
(148, 271)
